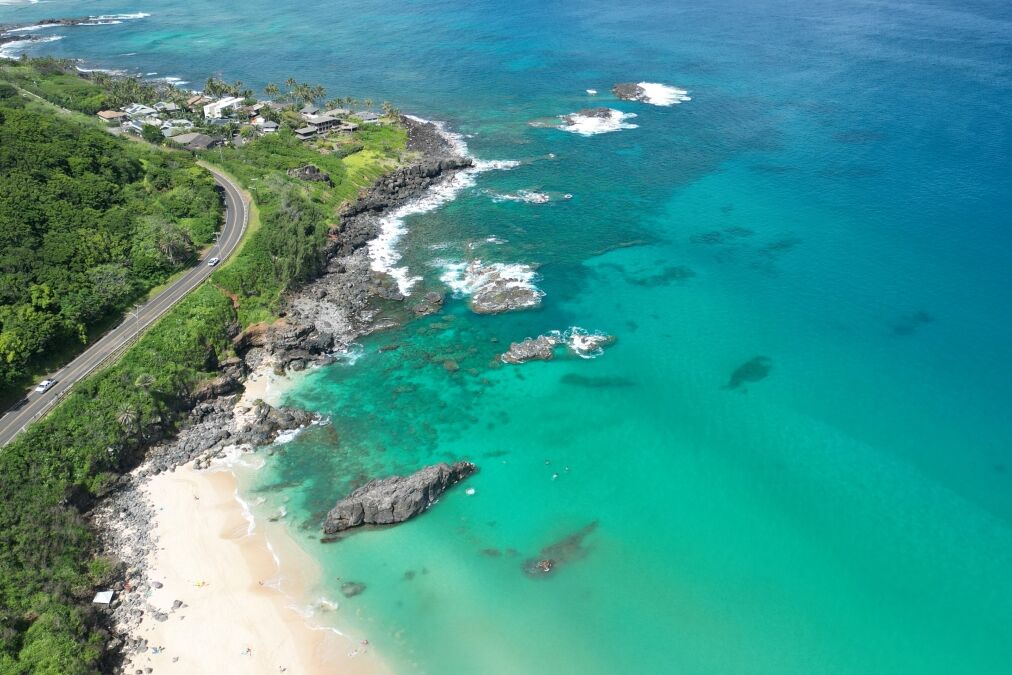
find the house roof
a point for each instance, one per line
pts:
(111, 114)
(366, 115)
(195, 141)
(320, 119)
(309, 109)
(305, 131)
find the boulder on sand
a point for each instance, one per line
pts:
(395, 499)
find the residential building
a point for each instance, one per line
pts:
(367, 116)
(217, 108)
(162, 106)
(135, 110)
(323, 123)
(195, 141)
(305, 133)
(112, 115)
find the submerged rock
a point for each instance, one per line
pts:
(352, 588)
(565, 550)
(395, 499)
(753, 370)
(541, 348)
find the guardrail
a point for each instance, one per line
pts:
(136, 335)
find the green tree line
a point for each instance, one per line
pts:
(88, 224)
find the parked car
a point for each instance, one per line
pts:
(213, 261)
(44, 386)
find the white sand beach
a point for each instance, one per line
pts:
(233, 618)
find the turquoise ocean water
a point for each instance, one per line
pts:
(835, 197)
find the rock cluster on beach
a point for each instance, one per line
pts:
(395, 499)
(214, 425)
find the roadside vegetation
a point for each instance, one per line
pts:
(88, 223)
(52, 473)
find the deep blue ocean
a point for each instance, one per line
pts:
(834, 198)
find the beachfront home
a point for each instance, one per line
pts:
(135, 110)
(367, 116)
(112, 115)
(305, 133)
(216, 109)
(323, 123)
(309, 109)
(347, 127)
(164, 107)
(195, 141)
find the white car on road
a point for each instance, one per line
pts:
(213, 261)
(44, 386)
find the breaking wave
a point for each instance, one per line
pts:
(592, 125)
(383, 249)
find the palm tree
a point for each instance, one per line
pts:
(144, 381)
(272, 90)
(368, 103)
(127, 416)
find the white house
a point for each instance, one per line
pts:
(215, 109)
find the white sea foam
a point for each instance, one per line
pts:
(28, 29)
(349, 355)
(383, 249)
(525, 196)
(656, 93)
(591, 125)
(465, 279)
(13, 50)
(119, 17)
(110, 71)
(247, 513)
(583, 343)
(592, 92)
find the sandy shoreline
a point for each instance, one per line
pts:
(236, 614)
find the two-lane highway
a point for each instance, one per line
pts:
(136, 321)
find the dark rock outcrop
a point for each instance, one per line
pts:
(395, 499)
(541, 348)
(312, 174)
(503, 294)
(629, 91)
(429, 304)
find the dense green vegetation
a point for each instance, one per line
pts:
(296, 216)
(126, 199)
(58, 81)
(88, 223)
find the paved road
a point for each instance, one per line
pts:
(110, 344)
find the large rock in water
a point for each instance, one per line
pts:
(395, 499)
(541, 348)
(629, 91)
